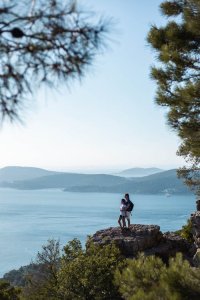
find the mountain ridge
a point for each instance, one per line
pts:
(12, 173)
(159, 183)
(139, 172)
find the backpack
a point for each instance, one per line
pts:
(131, 205)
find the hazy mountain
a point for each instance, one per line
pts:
(161, 183)
(139, 172)
(67, 180)
(12, 173)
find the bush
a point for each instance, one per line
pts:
(8, 292)
(186, 232)
(148, 278)
(77, 274)
(89, 274)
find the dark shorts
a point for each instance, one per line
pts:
(120, 217)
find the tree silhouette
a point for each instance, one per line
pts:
(43, 41)
(178, 78)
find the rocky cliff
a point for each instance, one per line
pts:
(150, 240)
(130, 241)
(145, 238)
(195, 220)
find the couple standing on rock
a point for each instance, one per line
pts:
(125, 211)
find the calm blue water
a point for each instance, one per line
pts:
(29, 218)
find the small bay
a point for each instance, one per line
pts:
(29, 218)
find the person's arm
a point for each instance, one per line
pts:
(123, 207)
(127, 206)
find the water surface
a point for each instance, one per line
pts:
(29, 218)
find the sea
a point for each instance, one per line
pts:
(29, 218)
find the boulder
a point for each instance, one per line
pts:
(198, 204)
(130, 241)
(195, 220)
(196, 258)
(144, 238)
(170, 244)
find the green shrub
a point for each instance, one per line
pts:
(148, 278)
(89, 274)
(77, 274)
(8, 292)
(186, 231)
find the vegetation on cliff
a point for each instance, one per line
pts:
(149, 278)
(74, 274)
(101, 272)
(8, 292)
(186, 231)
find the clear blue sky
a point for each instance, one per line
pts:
(108, 121)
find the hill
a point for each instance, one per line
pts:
(12, 173)
(160, 183)
(67, 180)
(139, 172)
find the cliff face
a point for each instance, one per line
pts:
(195, 220)
(145, 238)
(130, 241)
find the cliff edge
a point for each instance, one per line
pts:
(150, 240)
(145, 238)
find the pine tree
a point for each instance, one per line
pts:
(42, 281)
(41, 41)
(148, 278)
(178, 78)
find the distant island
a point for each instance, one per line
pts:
(139, 172)
(29, 178)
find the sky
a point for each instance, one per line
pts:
(108, 121)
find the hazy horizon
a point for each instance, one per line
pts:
(90, 170)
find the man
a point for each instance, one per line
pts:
(129, 208)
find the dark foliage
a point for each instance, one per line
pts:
(8, 292)
(148, 278)
(43, 41)
(178, 78)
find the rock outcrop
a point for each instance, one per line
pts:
(145, 238)
(198, 205)
(130, 241)
(195, 221)
(170, 244)
(150, 240)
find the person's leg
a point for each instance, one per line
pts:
(128, 219)
(119, 221)
(123, 221)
